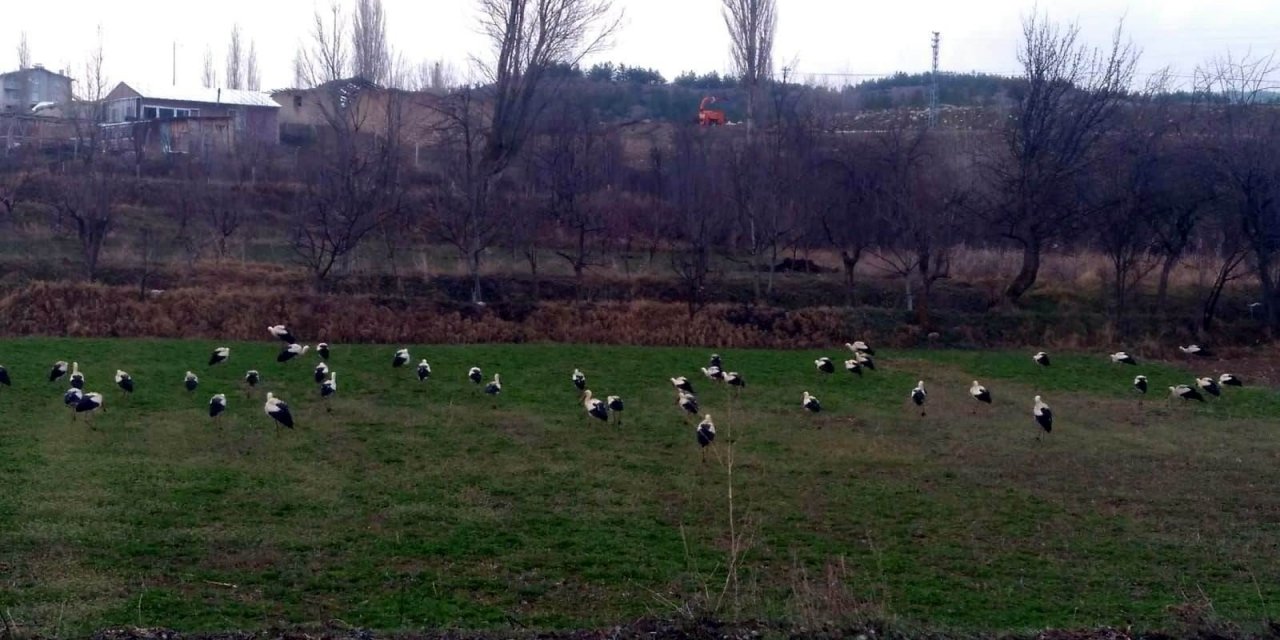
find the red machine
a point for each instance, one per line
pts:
(709, 117)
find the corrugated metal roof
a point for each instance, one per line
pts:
(207, 95)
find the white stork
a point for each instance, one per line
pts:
(495, 387)
(72, 397)
(1121, 357)
(1043, 415)
(475, 375)
(1185, 392)
(687, 401)
(323, 350)
(329, 387)
(400, 359)
(292, 351)
(252, 377)
(615, 406)
(217, 404)
(1194, 350)
(858, 346)
(124, 381)
(59, 369)
(89, 402)
(1140, 383)
(852, 366)
(811, 403)
(281, 332)
(219, 355)
(706, 434)
(424, 370)
(579, 379)
(596, 408)
(1041, 358)
(278, 410)
(682, 383)
(4, 377)
(824, 365)
(714, 373)
(715, 361)
(980, 393)
(1226, 379)
(77, 378)
(919, 395)
(191, 381)
(321, 371)
(735, 379)
(1210, 386)
(865, 360)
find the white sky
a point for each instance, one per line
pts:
(822, 36)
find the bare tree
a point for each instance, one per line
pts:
(325, 58)
(88, 198)
(751, 25)
(234, 74)
(1245, 132)
(209, 75)
(1070, 96)
(24, 51)
(529, 38)
(370, 52)
(252, 77)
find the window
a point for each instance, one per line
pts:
(148, 113)
(297, 102)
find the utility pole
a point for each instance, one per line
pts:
(933, 81)
(175, 63)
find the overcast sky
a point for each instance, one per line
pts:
(835, 37)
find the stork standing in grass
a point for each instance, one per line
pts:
(714, 373)
(217, 405)
(596, 408)
(682, 383)
(980, 393)
(494, 387)
(77, 378)
(328, 388)
(1043, 415)
(735, 380)
(400, 359)
(1185, 392)
(615, 407)
(715, 361)
(424, 370)
(474, 375)
(323, 350)
(919, 395)
(810, 403)
(282, 333)
(1194, 351)
(824, 365)
(278, 411)
(219, 355)
(252, 378)
(1226, 380)
(1041, 358)
(292, 351)
(687, 401)
(1140, 383)
(579, 379)
(1120, 357)
(705, 432)
(59, 369)
(72, 398)
(124, 381)
(321, 371)
(89, 403)
(1209, 386)
(191, 381)
(864, 360)
(852, 366)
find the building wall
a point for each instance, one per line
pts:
(21, 90)
(256, 123)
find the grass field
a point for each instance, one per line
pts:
(415, 505)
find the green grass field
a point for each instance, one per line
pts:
(412, 505)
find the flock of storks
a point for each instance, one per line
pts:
(609, 408)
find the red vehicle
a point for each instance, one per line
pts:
(709, 117)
